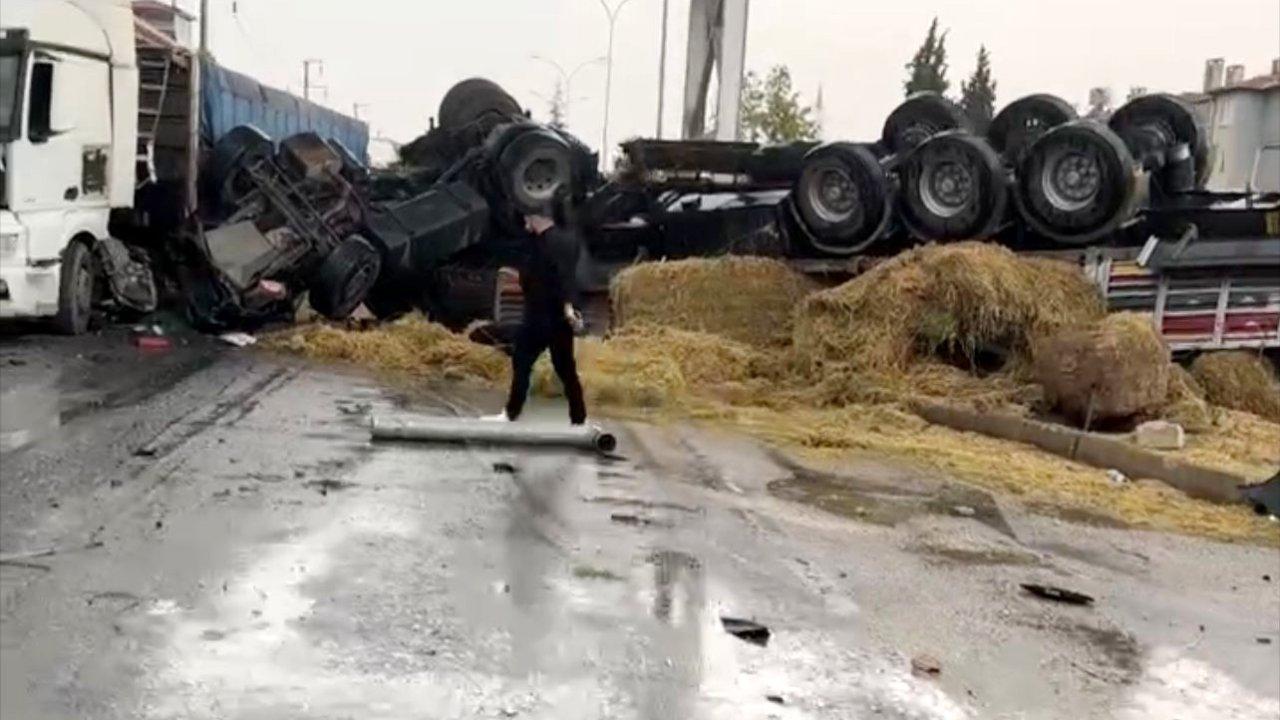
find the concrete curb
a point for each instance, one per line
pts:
(1089, 448)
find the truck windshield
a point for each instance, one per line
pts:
(10, 64)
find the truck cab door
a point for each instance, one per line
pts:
(62, 160)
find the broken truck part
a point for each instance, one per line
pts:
(462, 430)
(292, 218)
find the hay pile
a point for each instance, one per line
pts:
(1117, 367)
(1240, 380)
(1185, 403)
(694, 340)
(954, 300)
(411, 344)
(646, 366)
(748, 299)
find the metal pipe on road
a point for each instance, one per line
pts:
(460, 430)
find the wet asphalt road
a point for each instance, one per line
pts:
(228, 544)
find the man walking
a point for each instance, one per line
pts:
(548, 281)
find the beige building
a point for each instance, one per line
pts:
(1242, 117)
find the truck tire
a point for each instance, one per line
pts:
(345, 278)
(953, 186)
(242, 144)
(533, 169)
(843, 198)
(388, 301)
(1153, 124)
(1023, 121)
(1077, 183)
(76, 288)
(472, 108)
(431, 151)
(919, 117)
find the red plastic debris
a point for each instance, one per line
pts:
(152, 343)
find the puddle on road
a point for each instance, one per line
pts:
(28, 414)
(884, 505)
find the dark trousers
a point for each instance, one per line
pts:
(531, 341)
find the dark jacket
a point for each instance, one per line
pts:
(548, 274)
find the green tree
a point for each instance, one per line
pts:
(978, 93)
(928, 68)
(556, 107)
(771, 110)
(1099, 104)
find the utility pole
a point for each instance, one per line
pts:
(612, 14)
(355, 109)
(204, 27)
(307, 87)
(194, 91)
(662, 66)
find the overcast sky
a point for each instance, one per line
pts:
(400, 56)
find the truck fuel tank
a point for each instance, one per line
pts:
(417, 234)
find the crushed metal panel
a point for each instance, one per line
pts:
(240, 252)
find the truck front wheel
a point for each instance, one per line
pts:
(345, 278)
(75, 290)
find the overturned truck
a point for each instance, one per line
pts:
(306, 219)
(1115, 196)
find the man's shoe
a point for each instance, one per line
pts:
(500, 417)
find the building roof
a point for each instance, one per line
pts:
(1260, 83)
(154, 7)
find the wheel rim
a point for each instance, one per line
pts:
(540, 178)
(1072, 178)
(946, 187)
(83, 297)
(833, 195)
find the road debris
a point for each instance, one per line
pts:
(504, 467)
(1264, 641)
(924, 665)
(238, 339)
(1057, 594)
(1264, 497)
(326, 484)
(964, 511)
(777, 699)
(432, 429)
(1116, 477)
(748, 630)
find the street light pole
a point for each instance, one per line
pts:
(612, 14)
(567, 77)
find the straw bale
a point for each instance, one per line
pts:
(1119, 366)
(1240, 380)
(949, 300)
(748, 299)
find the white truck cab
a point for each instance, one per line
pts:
(68, 137)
